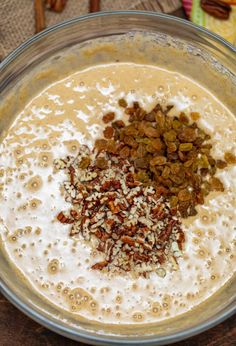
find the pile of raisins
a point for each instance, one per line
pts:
(169, 152)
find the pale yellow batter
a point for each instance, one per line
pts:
(54, 124)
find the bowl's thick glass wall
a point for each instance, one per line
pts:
(40, 48)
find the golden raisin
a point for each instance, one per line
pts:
(108, 132)
(183, 118)
(142, 176)
(111, 146)
(118, 124)
(157, 144)
(141, 163)
(203, 161)
(171, 147)
(184, 195)
(187, 134)
(216, 184)
(108, 117)
(166, 172)
(195, 116)
(141, 151)
(158, 161)
(176, 124)
(130, 141)
(125, 152)
(130, 130)
(101, 163)
(151, 132)
(221, 164)
(173, 201)
(101, 144)
(170, 136)
(85, 162)
(188, 163)
(122, 103)
(185, 146)
(230, 158)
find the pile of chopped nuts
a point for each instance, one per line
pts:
(170, 153)
(130, 223)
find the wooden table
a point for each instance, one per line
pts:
(17, 329)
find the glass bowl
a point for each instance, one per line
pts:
(198, 46)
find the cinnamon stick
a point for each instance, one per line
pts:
(39, 15)
(55, 5)
(94, 6)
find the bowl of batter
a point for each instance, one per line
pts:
(117, 178)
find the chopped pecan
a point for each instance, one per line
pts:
(180, 239)
(105, 236)
(72, 174)
(74, 214)
(98, 234)
(113, 208)
(101, 247)
(127, 240)
(167, 232)
(141, 258)
(119, 212)
(100, 265)
(110, 222)
(64, 219)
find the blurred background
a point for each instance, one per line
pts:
(20, 19)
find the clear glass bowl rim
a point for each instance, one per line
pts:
(11, 56)
(83, 336)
